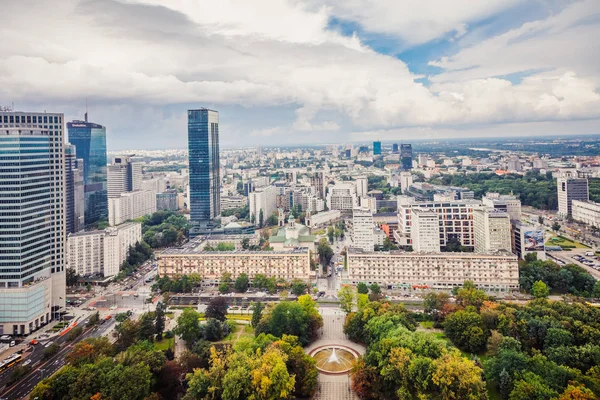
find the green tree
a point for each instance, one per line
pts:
(505, 384)
(458, 378)
(159, 319)
(531, 387)
(465, 329)
(257, 313)
(241, 283)
(188, 327)
(298, 287)
(346, 297)
(325, 252)
(260, 281)
(540, 290)
(376, 293)
(261, 218)
(217, 309)
(469, 295)
(147, 329)
(555, 226)
(362, 288)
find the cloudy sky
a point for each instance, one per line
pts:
(307, 71)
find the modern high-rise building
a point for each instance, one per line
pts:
(90, 141)
(204, 165)
(405, 157)
(570, 189)
(32, 220)
(74, 191)
(395, 148)
(491, 229)
(317, 181)
(123, 176)
(376, 148)
(362, 229)
(425, 233)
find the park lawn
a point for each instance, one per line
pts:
(164, 344)
(563, 241)
(170, 315)
(240, 331)
(427, 324)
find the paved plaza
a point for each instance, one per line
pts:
(334, 387)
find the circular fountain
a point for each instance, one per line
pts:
(334, 359)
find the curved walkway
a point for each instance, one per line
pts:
(334, 387)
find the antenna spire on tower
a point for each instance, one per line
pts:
(86, 111)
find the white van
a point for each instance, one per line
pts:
(589, 253)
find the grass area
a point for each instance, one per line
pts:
(240, 331)
(170, 315)
(427, 324)
(232, 317)
(164, 344)
(565, 243)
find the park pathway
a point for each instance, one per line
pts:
(334, 387)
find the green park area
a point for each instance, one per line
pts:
(565, 243)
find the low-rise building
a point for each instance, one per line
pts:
(167, 200)
(323, 218)
(233, 202)
(587, 212)
(497, 272)
(130, 206)
(210, 265)
(102, 252)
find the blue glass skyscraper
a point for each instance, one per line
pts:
(405, 157)
(89, 140)
(204, 167)
(376, 148)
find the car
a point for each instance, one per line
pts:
(12, 343)
(26, 362)
(33, 342)
(48, 344)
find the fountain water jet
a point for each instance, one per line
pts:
(333, 357)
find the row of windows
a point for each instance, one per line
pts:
(31, 119)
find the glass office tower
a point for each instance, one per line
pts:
(204, 169)
(89, 140)
(32, 220)
(406, 157)
(376, 148)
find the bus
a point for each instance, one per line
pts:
(10, 362)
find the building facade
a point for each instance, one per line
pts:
(376, 148)
(503, 202)
(492, 230)
(262, 199)
(570, 189)
(342, 197)
(74, 191)
(435, 271)
(406, 157)
(130, 206)
(89, 140)
(210, 265)
(455, 219)
(167, 200)
(425, 232)
(362, 229)
(124, 176)
(102, 252)
(233, 202)
(587, 212)
(323, 218)
(32, 220)
(204, 169)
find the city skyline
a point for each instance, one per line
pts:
(323, 73)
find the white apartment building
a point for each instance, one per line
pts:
(156, 185)
(492, 230)
(265, 199)
(497, 272)
(425, 232)
(323, 218)
(587, 212)
(503, 202)
(362, 229)
(210, 265)
(570, 189)
(123, 176)
(362, 186)
(102, 252)
(233, 202)
(130, 206)
(455, 219)
(342, 196)
(406, 180)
